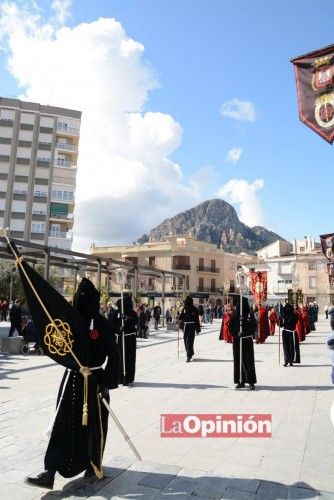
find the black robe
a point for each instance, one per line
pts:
(189, 323)
(289, 336)
(248, 373)
(72, 446)
(130, 334)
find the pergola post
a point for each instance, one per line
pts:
(75, 279)
(47, 264)
(163, 298)
(98, 277)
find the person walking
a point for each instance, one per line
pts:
(326, 311)
(331, 315)
(4, 310)
(189, 323)
(127, 364)
(290, 336)
(156, 315)
(75, 446)
(15, 317)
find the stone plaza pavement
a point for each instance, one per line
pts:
(297, 462)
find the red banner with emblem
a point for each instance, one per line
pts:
(314, 73)
(327, 246)
(258, 285)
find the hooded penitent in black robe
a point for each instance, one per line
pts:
(248, 374)
(290, 336)
(189, 323)
(130, 333)
(65, 336)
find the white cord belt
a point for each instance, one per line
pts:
(125, 334)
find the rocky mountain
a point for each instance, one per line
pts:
(214, 221)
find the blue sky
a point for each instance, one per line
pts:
(202, 54)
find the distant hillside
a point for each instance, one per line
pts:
(214, 221)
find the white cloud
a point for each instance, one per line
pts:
(244, 194)
(62, 9)
(126, 182)
(234, 154)
(239, 110)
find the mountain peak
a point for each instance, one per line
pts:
(217, 222)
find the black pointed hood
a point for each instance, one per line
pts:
(87, 300)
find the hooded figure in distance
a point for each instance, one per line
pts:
(127, 356)
(189, 323)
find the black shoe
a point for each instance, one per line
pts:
(240, 385)
(188, 360)
(291, 364)
(43, 480)
(285, 364)
(252, 387)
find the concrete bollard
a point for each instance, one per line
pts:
(12, 345)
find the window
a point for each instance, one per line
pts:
(213, 265)
(38, 227)
(312, 265)
(213, 285)
(200, 264)
(40, 194)
(200, 284)
(312, 280)
(302, 249)
(151, 261)
(181, 262)
(232, 265)
(151, 284)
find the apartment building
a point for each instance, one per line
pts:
(38, 165)
(208, 271)
(296, 265)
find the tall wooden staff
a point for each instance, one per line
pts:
(121, 275)
(279, 333)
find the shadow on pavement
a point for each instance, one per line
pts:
(179, 386)
(294, 387)
(134, 484)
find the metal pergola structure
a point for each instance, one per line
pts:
(78, 261)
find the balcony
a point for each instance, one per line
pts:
(210, 289)
(61, 216)
(203, 269)
(68, 198)
(40, 194)
(20, 191)
(61, 235)
(66, 146)
(67, 130)
(183, 267)
(64, 164)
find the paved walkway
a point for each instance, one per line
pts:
(297, 462)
